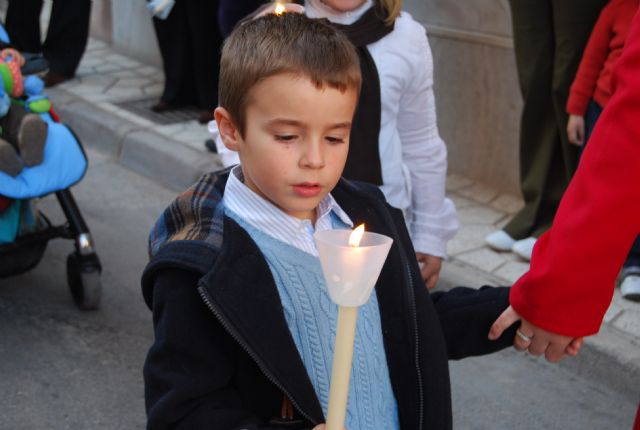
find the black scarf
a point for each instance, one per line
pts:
(363, 161)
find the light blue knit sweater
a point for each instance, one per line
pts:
(311, 317)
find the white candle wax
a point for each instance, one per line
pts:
(341, 370)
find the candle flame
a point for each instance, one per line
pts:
(356, 236)
(279, 10)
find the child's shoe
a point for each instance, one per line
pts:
(10, 163)
(524, 248)
(32, 135)
(630, 287)
(500, 241)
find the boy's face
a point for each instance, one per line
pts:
(295, 143)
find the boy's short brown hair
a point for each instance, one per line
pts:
(289, 43)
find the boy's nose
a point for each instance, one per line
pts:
(313, 156)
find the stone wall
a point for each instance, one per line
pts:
(476, 88)
(128, 26)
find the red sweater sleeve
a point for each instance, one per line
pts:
(593, 59)
(574, 265)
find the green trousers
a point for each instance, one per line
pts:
(549, 37)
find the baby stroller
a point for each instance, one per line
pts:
(64, 164)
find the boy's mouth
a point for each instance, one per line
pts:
(307, 189)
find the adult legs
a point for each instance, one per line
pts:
(573, 21)
(176, 53)
(549, 37)
(67, 36)
(206, 40)
(23, 24)
(533, 43)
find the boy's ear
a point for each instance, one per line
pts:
(228, 131)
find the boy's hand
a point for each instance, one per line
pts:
(430, 269)
(534, 339)
(575, 129)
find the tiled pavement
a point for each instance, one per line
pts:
(106, 78)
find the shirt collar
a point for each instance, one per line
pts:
(265, 216)
(317, 9)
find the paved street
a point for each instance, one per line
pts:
(65, 369)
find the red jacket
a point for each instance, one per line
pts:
(593, 79)
(575, 264)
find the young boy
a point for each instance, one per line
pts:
(244, 327)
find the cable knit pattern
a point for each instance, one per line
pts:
(311, 317)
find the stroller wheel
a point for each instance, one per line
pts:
(83, 277)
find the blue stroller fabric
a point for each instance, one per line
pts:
(64, 165)
(16, 220)
(10, 222)
(4, 37)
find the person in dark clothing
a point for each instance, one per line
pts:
(232, 11)
(549, 37)
(66, 37)
(190, 40)
(244, 326)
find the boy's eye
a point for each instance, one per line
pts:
(285, 137)
(333, 139)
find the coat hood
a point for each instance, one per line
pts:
(195, 215)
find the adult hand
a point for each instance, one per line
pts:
(575, 129)
(534, 339)
(430, 269)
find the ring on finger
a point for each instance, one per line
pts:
(523, 336)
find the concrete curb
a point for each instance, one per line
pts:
(136, 147)
(611, 358)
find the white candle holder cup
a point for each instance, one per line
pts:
(351, 272)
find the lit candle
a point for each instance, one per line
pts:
(279, 8)
(350, 272)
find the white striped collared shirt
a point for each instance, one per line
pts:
(266, 217)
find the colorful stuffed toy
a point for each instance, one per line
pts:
(11, 75)
(22, 132)
(35, 100)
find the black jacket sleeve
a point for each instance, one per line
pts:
(466, 315)
(189, 369)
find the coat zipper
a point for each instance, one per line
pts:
(232, 332)
(412, 303)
